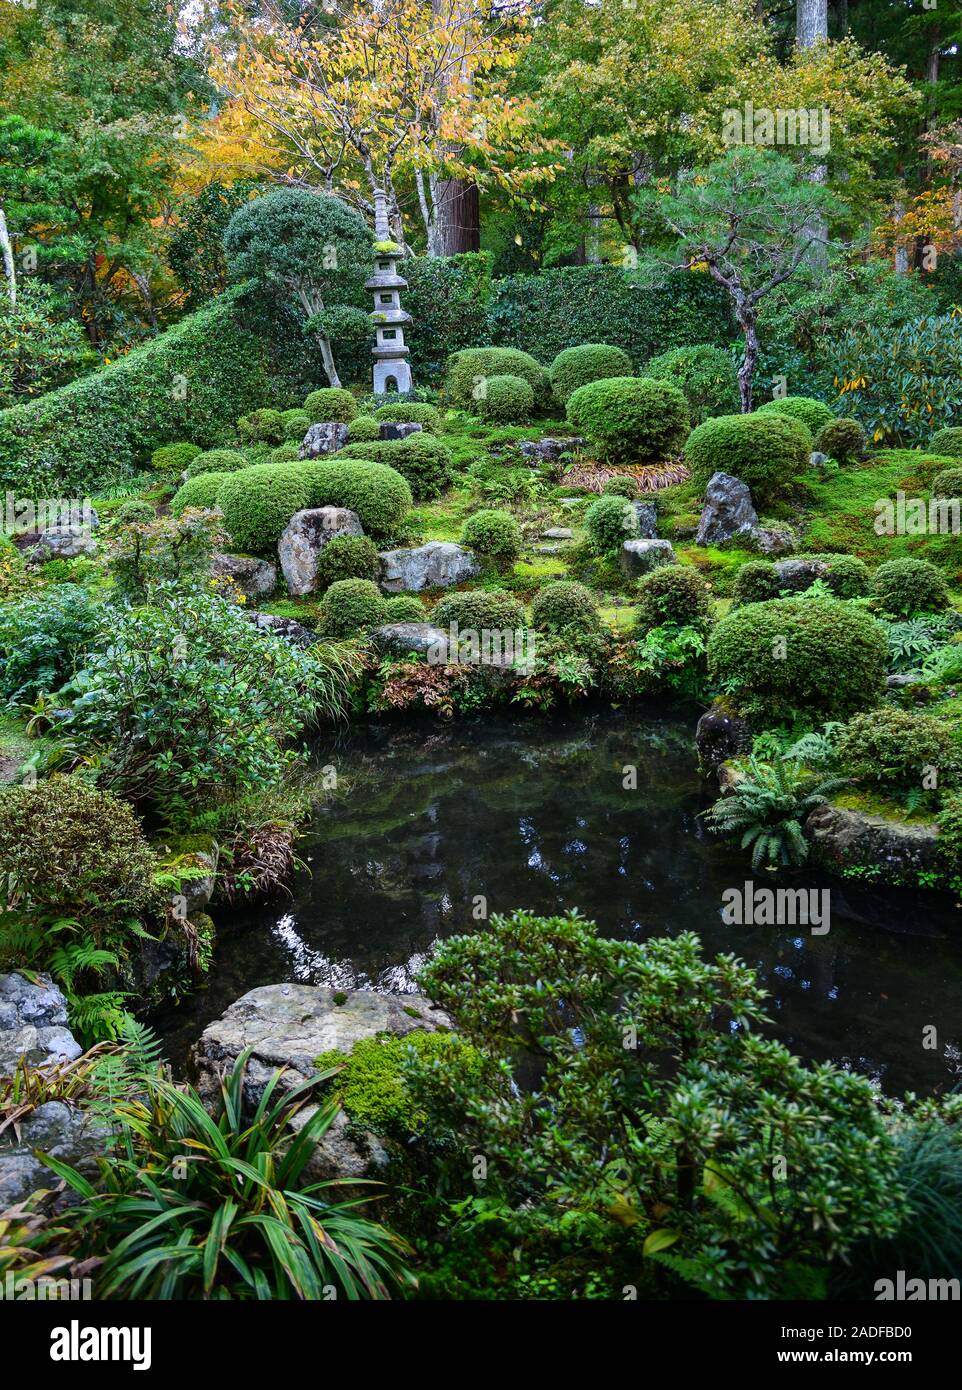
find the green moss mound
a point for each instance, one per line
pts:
(495, 537)
(174, 458)
(372, 1087)
(904, 587)
(947, 442)
(842, 440)
(411, 413)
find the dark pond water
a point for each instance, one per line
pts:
(535, 814)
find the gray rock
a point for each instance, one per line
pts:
(398, 429)
(287, 1026)
(895, 852)
(728, 511)
(796, 575)
(303, 539)
(437, 565)
(62, 543)
(816, 459)
(901, 680)
(639, 558)
(549, 450)
(558, 533)
(54, 1128)
(397, 639)
(773, 540)
(647, 520)
(324, 438)
(295, 633)
(33, 1024)
(255, 578)
(720, 735)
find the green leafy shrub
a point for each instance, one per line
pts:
(200, 491)
(630, 419)
(576, 366)
(258, 502)
(495, 537)
(755, 582)
(948, 483)
(814, 415)
(411, 413)
(470, 368)
(897, 380)
(350, 606)
(707, 376)
(565, 606)
(767, 451)
(403, 608)
(133, 511)
(425, 462)
(609, 522)
(620, 485)
(262, 426)
(819, 657)
(165, 550)
(296, 423)
(947, 442)
(362, 428)
(674, 595)
(506, 400)
(289, 452)
(478, 609)
(380, 494)
(847, 576)
(347, 557)
(842, 440)
(216, 461)
(42, 635)
(896, 750)
(372, 1085)
(667, 660)
(174, 458)
(767, 808)
(910, 586)
(330, 403)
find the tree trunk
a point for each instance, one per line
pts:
(749, 326)
(327, 360)
(811, 24)
(9, 268)
(456, 217)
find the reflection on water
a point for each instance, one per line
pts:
(535, 814)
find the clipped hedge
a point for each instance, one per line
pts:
(507, 400)
(467, 370)
(815, 415)
(947, 442)
(766, 451)
(216, 461)
(576, 366)
(630, 419)
(411, 413)
(421, 459)
(907, 586)
(199, 491)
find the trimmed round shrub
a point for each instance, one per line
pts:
(848, 576)
(565, 606)
(576, 366)
(904, 587)
(259, 501)
(842, 440)
(609, 522)
(947, 442)
(403, 608)
(174, 458)
(347, 557)
(495, 537)
(892, 749)
(216, 461)
(821, 659)
(411, 413)
(468, 369)
(133, 511)
(76, 850)
(674, 595)
(262, 427)
(630, 419)
(199, 492)
(814, 415)
(476, 609)
(363, 427)
(330, 403)
(755, 582)
(379, 494)
(766, 451)
(350, 606)
(506, 400)
(621, 485)
(284, 453)
(296, 423)
(707, 376)
(420, 458)
(948, 483)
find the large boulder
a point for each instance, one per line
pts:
(33, 1024)
(254, 578)
(288, 1026)
(896, 853)
(398, 639)
(647, 520)
(325, 438)
(728, 512)
(303, 539)
(62, 543)
(398, 429)
(640, 557)
(720, 735)
(437, 565)
(800, 573)
(64, 1131)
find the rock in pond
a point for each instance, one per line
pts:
(321, 439)
(639, 558)
(728, 511)
(721, 735)
(303, 539)
(254, 578)
(398, 639)
(437, 565)
(895, 852)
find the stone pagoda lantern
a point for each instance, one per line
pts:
(391, 368)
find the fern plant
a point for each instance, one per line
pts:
(767, 807)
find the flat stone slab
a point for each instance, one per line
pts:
(640, 557)
(558, 533)
(436, 565)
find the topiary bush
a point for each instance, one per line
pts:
(477, 609)
(565, 606)
(630, 419)
(296, 423)
(403, 608)
(814, 415)
(198, 492)
(350, 606)
(576, 366)
(174, 458)
(262, 427)
(133, 511)
(347, 557)
(330, 403)
(505, 400)
(903, 587)
(216, 461)
(819, 658)
(290, 452)
(411, 413)
(847, 576)
(425, 462)
(948, 483)
(947, 442)
(495, 537)
(899, 751)
(258, 502)
(707, 376)
(842, 440)
(755, 582)
(363, 427)
(620, 485)
(468, 370)
(609, 521)
(766, 451)
(674, 595)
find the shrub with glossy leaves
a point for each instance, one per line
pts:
(630, 419)
(351, 606)
(675, 595)
(947, 442)
(495, 537)
(707, 376)
(42, 636)
(903, 587)
(814, 415)
(330, 403)
(821, 658)
(842, 440)
(576, 366)
(766, 451)
(174, 458)
(477, 609)
(200, 491)
(505, 400)
(469, 369)
(347, 557)
(897, 751)
(565, 606)
(609, 522)
(216, 461)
